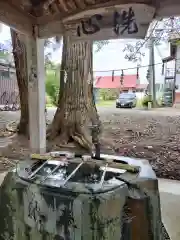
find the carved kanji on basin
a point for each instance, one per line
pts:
(71, 197)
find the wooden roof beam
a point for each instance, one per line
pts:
(56, 27)
(168, 8)
(51, 29)
(16, 19)
(83, 8)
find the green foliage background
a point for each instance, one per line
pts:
(108, 94)
(52, 86)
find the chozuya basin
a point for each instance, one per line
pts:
(72, 199)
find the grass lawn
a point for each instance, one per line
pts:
(105, 103)
(50, 105)
(99, 103)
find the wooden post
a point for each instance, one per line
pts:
(36, 91)
(177, 77)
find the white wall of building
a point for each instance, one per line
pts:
(178, 68)
(140, 95)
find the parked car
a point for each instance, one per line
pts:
(126, 100)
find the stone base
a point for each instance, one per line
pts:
(169, 204)
(6, 206)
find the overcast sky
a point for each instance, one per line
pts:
(112, 57)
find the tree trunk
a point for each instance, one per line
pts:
(76, 110)
(19, 53)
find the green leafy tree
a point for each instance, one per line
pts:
(52, 85)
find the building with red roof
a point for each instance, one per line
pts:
(130, 82)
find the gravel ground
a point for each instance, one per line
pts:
(153, 135)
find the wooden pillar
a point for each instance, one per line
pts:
(36, 91)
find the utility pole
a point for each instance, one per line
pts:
(152, 82)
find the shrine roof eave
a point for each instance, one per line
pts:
(15, 18)
(53, 24)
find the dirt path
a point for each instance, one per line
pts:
(154, 135)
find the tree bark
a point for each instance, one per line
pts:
(19, 53)
(76, 109)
